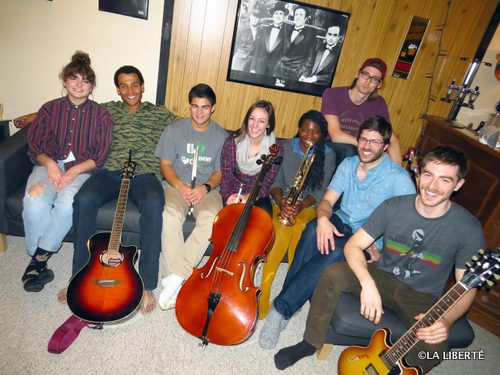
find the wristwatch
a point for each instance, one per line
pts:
(208, 187)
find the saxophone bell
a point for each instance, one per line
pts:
(298, 184)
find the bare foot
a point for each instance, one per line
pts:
(61, 296)
(148, 303)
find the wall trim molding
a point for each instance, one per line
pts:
(166, 36)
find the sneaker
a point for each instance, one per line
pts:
(273, 326)
(171, 302)
(171, 286)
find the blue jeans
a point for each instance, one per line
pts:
(307, 266)
(146, 193)
(47, 218)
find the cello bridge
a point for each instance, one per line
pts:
(224, 270)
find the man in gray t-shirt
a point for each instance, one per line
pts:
(176, 150)
(425, 237)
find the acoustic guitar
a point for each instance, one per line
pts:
(108, 288)
(381, 357)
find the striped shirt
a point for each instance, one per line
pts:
(60, 127)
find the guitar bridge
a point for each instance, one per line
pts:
(106, 283)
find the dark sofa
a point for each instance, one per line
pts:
(15, 167)
(347, 327)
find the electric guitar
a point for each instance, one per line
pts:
(381, 357)
(108, 288)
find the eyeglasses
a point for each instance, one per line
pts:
(366, 76)
(374, 142)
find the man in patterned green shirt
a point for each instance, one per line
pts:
(137, 126)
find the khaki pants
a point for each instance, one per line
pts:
(178, 256)
(403, 300)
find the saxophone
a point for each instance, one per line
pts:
(298, 184)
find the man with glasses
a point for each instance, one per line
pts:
(364, 181)
(176, 150)
(345, 108)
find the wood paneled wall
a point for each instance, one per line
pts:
(202, 32)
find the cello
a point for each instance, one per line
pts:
(218, 303)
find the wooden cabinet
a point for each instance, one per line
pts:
(480, 195)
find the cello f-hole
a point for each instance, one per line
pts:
(243, 276)
(203, 276)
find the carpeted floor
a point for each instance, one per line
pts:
(154, 344)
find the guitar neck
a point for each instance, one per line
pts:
(116, 230)
(409, 339)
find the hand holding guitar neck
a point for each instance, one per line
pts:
(193, 176)
(383, 357)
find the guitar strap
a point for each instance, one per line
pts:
(67, 332)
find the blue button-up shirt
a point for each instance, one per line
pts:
(360, 198)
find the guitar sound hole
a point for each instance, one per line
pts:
(111, 259)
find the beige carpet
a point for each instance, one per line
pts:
(155, 344)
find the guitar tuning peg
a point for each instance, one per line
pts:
(490, 283)
(481, 251)
(468, 265)
(475, 258)
(497, 276)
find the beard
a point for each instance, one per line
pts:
(371, 157)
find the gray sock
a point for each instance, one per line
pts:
(270, 334)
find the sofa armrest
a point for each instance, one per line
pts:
(15, 167)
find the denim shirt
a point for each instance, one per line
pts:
(360, 198)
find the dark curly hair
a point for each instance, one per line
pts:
(316, 174)
(80, 64)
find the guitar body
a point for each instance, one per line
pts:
(101, 293)
(358, 360)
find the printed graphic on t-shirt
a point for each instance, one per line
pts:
(190, 148)
(412, 258)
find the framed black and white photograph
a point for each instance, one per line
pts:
(132, 8)
(286, 45)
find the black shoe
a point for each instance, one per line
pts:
(31, 281)
(36, 276)
(46, 275)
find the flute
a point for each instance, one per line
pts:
(193, 176)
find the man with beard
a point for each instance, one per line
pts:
(364, 182)
(448, 237)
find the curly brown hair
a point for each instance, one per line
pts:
(80, 64)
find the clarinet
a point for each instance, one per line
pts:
(193, 176)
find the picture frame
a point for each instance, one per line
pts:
(131, 8)
(268, 51)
